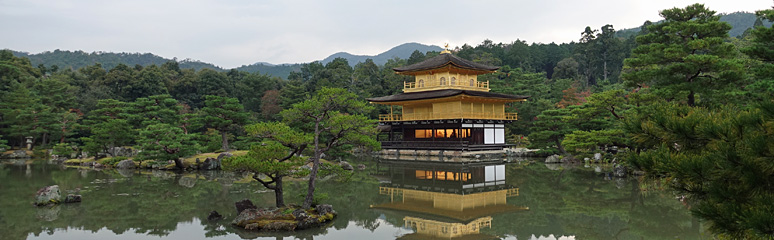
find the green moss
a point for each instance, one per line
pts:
(78, 161)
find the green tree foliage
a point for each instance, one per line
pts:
(762, 49)
(164, 142)
(155, 109)
(549, 129)
(277, 156)
(721, 160)
(684, 56)
(24, 115)
(3, 144)
(334, 117)
(109, 126)
(224, 114)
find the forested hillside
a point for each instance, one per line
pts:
(78, 59)
(740, 22)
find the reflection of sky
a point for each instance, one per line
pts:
(195, 230)
(549, 237)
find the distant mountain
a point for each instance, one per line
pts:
(281, 70)
(108, 60)
(79, 59)
(402, 51)
(740, 21)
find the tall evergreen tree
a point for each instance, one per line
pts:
(684, 56)
(223, 114)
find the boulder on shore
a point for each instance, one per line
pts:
(126, 164)
(553, 159)
(619, 171)
(346, 166)
(210, 164)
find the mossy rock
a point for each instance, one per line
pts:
(281, 219)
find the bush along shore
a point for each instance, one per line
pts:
(204, 161)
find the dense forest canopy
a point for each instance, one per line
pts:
(680, 97)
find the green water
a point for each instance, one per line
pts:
(575, 203)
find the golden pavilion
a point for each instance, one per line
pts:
(446, 107)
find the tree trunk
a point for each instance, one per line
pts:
(278, 197)
(179, 164)
(45, 138)
(559, 146)
(692, 99)
(604, 66)
(315, 167)
(224, 144)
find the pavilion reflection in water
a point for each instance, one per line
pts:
(447, 201)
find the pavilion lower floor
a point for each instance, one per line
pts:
(455, 135)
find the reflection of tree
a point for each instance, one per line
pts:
(579, 202)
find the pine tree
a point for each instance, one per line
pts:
(685, 56)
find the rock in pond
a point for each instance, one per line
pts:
(72, 198)
(126, 164)
(323, 209)
(282, 219)
(244, 205)
(214, 216)
(48, 195)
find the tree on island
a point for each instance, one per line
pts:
(334, 117)
(223, 114)
(275, 157)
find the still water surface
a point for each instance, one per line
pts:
(387, 200)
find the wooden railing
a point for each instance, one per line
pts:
(433, 85)
(439, 116)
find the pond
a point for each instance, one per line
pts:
(387, 200)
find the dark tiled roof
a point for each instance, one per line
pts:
(442, 93)
(441, 61)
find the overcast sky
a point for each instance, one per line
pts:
(231, 33)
